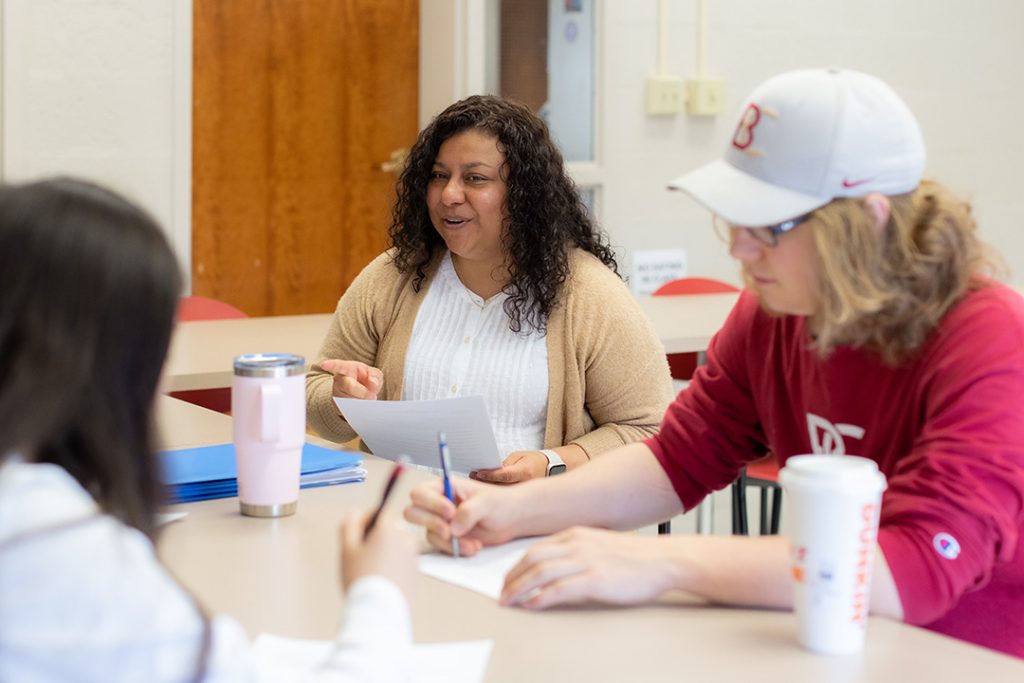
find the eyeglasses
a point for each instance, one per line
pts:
(767, 235)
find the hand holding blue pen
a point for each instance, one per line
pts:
(442, 444)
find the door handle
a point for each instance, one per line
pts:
(397, 161)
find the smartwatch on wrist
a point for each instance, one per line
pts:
(555, 463)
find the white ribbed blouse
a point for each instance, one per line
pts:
(461, 345)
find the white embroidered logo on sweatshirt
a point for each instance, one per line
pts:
(827, 438)
(946, 545)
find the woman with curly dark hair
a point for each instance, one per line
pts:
(497, 284)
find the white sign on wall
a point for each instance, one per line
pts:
(654, 267)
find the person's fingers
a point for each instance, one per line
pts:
(353, 528)
(502, 475)
(370, 381)
(467, 546)
(353, 379)
(349, 387)
(540, 552)
(430, 496)
(463, 488)
(358, 519)
(522, 585)
(428, 520)
(375, 379)
(513, 468)
(336, 366)
(430, 509)
(574, 588)
(439, 542)
(470, 512)
(512, 458)
(442, 518)
(484, 475)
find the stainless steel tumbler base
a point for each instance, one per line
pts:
(279, 510)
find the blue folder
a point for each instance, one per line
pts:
(209, 472)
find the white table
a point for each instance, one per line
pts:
(281, 576)
(202, 350)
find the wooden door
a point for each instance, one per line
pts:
(296, 103)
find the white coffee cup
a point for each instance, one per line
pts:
(268, 407)
(832, 510)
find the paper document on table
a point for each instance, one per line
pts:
(291, 659)
(394, 428)
(484, 572)
(163, 518)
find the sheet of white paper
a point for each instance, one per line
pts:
(289, 659)
(484, 572)
(168, 517)
(394, 428)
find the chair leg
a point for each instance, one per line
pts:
(739, 506)
(706, 516)
(763, 530)
(665, 528)
(735, 508)
(776, 509)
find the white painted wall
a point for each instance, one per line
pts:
(958, 65)
(101, 88)
(458, 52)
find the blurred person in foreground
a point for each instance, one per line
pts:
(88, 292)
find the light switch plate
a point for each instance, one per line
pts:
(705, 96)
(666, 95)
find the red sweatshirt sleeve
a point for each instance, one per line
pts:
(712, 429)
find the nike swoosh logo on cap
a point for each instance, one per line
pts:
(855, 183)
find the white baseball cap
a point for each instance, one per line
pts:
(806, 137)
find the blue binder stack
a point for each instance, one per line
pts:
(209, 472)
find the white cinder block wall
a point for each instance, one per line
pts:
(100, 88)
(958, 65)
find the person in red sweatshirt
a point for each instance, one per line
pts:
(870, 325)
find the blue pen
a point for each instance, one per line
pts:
(442, 444)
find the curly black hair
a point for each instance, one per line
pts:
(545, 216)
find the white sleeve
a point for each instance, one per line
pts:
(373, 644)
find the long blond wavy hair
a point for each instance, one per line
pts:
(886, 290)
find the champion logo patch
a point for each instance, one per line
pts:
(946, 545)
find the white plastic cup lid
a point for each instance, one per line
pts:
(832, 472)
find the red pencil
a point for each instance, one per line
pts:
(384, 498)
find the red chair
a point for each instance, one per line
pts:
(205, 308)
(682, 365)
(763, 473)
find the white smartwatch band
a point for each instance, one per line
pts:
(555, 463)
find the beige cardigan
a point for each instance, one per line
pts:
(608, 379)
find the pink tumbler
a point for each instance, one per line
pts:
(268, 406)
